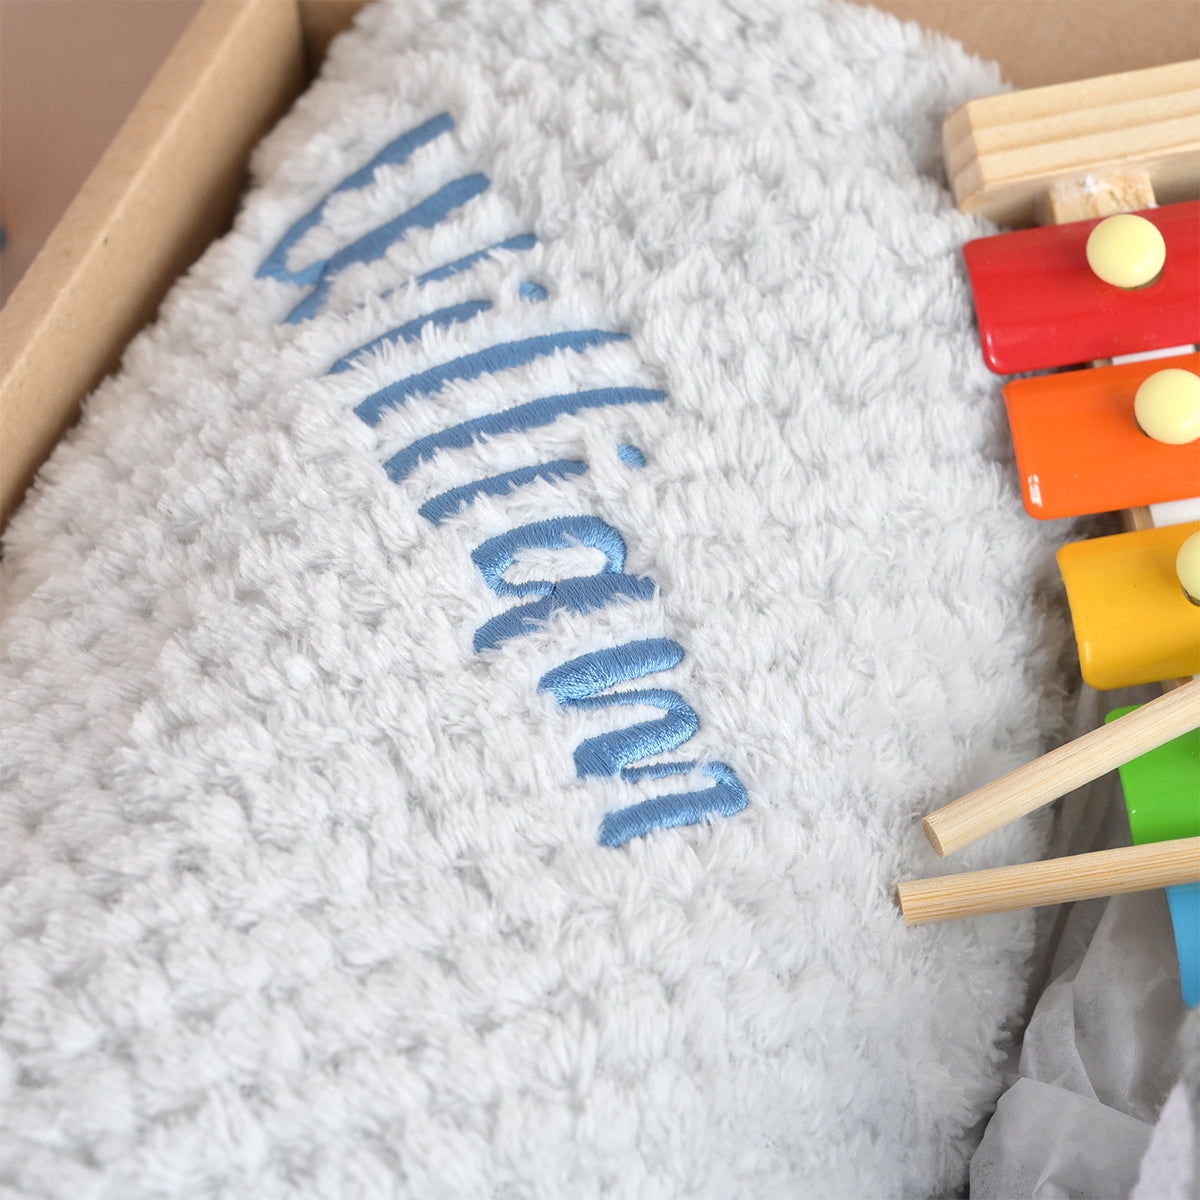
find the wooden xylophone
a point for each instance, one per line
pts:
(1098, 292)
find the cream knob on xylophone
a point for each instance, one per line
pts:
(1127, 251)
(1167, 406)
(1187, 567)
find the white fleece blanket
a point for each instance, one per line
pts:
(472, 679)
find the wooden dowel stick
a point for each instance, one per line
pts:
(1052, 881)
(1062, 770)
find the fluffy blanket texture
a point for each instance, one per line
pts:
(473, 677)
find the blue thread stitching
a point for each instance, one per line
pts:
(442, 507)
(578, 684)
(590, 674)
(575, 683)
(513, 420)
(522, 241)
(393, 154)
(725, 798)
(497, 554)
(584, 594)
(411, 332)
(374, 244)
(611, 753)
(484, 362)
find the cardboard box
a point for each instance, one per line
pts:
(170, 181)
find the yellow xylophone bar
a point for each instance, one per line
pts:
(1133, 621)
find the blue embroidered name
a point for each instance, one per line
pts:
(581, 594)
(585, 683)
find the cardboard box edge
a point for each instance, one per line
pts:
(118, 249)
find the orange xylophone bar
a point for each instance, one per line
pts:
(1080, 450)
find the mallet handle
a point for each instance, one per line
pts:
(1052, 881)
(1062, 770)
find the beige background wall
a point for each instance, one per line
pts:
(70, 71)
